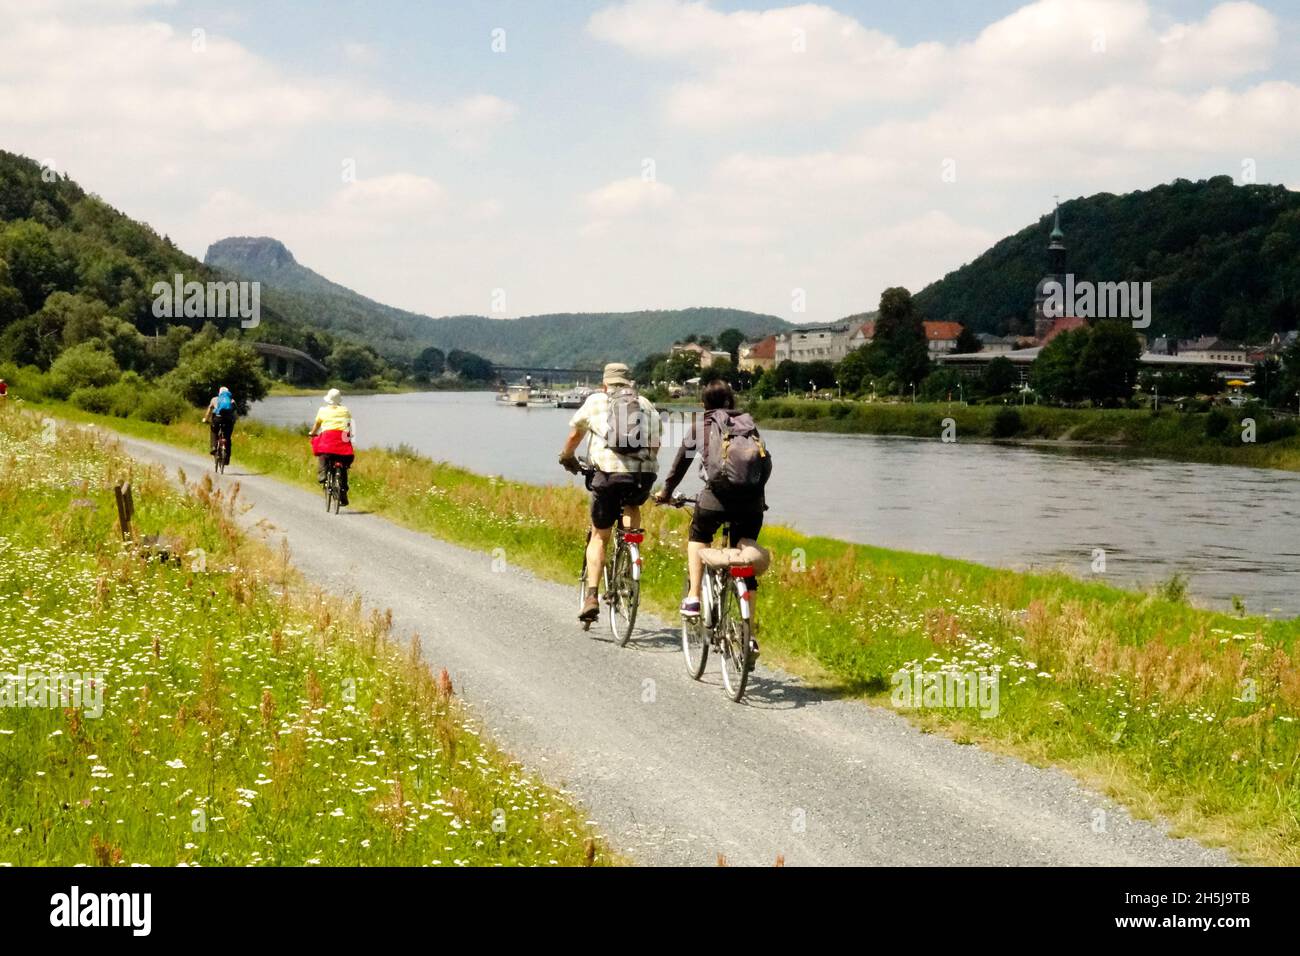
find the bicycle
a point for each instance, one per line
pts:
(221, 456)
(620, 577)
(333, 485)
(725, 623)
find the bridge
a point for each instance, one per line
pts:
(291, 364)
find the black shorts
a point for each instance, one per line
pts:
(746, 522)
(613, 491)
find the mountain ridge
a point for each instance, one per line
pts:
(551, 339)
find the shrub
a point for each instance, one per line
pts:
(1216, 423)
(1007, 423)
(93, 398)
(160, 405)
(87, 365)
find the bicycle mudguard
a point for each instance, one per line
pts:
(636, 561)
(746, 597)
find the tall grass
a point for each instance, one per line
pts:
(246, 719)
(1173, 709)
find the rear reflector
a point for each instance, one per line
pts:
(634, 537)
(743, 571)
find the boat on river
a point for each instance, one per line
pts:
(517, 395)
(573, 398)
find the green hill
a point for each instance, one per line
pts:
(1222, 259)
(561, 339)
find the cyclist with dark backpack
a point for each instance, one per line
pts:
(735, 466)
(220, 417)
(623, 427)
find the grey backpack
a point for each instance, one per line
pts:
(733, 457)
(627, 432)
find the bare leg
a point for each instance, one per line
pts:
(631, 517)
(695, 567)
(596, 555)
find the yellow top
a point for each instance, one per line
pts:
(333, 418)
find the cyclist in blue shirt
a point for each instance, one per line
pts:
(220, 417)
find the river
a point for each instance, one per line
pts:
(1231, 531)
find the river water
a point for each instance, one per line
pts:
(1230, 531)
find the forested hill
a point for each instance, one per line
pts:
(562, 339)
(1222, 259)
(57, 240)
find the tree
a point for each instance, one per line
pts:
(730, 340)
(644, 372)
(682, 366)
(1108, 364)
(36, 266)
(86, 365)
(898, 347)
(1055, 373)
(999, 377)
(207, 365)
(352, 363)
(12, 307)
(967, 342)
(469, 366)
(720, 369)
(429, 364)
(854, 371)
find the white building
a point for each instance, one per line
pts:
(823, 343)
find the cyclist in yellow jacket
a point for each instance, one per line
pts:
(332, 435)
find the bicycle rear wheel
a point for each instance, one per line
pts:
(695, 641)
(733, 640)
(624, 596)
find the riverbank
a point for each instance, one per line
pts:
(1174, 710)
(239, 717)
(1214, 437)
(295, 391)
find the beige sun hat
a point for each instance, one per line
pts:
(616, 374)
(332, 396)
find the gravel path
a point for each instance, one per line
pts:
(669, 769)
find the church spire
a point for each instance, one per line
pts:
(1056, 248)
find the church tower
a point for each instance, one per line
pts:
(1056, 271)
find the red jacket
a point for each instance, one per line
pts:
(333, 442)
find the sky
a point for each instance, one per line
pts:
(516, 157)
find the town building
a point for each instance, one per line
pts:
(940, 337)
(707, 356)
(997, 344)
(758, 355)
(823, 343)
(1212, 348)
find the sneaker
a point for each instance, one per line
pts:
(691, 607)
(590, 607)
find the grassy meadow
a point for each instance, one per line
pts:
(243, 718)
(1213, 437)
(1171, 709)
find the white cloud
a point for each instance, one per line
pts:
(624, 197)
(809, 61)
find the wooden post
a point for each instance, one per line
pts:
(125, 507)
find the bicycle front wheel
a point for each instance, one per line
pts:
(695, 641)
(733, 638)
(624, 597)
